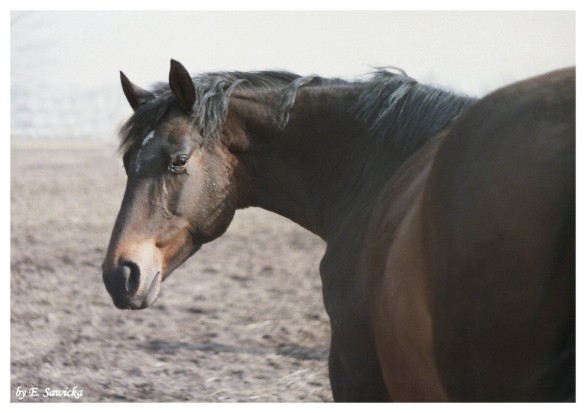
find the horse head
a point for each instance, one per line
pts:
(180, 191)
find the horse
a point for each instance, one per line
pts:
(449, 271)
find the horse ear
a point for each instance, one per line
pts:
(182, 85)
(135, 95)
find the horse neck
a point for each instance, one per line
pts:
(317, 168)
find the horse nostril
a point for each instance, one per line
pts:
(130, 275)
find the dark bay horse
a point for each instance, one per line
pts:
(449, 273)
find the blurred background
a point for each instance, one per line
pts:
(64, 65)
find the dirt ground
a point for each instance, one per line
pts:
(242, 320)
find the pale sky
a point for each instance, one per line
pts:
(58, 53)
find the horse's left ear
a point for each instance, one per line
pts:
(182, 85)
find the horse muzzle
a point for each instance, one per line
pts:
(134, 270)
(130, 288)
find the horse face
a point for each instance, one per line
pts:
(179, 195)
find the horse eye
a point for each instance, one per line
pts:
(178, 164)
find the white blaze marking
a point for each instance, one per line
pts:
(147, 138)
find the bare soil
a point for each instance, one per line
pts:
(242, 320)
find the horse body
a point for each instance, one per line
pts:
(512, 218)
(351, 162)
(471, 269)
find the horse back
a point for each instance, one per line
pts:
(498, 217)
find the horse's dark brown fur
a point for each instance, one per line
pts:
(471, 254)
(449, 269)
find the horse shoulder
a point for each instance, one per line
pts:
(394, 267)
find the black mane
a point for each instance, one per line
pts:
(391, 105)
(213, 92)
(395, 106)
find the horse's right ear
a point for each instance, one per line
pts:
(136, 95)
